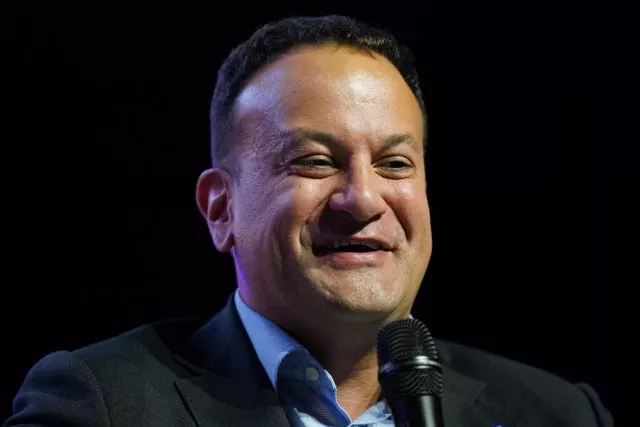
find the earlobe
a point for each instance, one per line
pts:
(213, 197)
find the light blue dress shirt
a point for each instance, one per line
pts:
(304, 387)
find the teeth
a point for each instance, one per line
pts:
(340, 243)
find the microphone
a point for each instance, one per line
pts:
(410, 373)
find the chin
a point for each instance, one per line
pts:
(357, 293)
(361, 300)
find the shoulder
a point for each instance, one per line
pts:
(145, 356)
(489, 367)
(148, 349)
(524, 387)
(143, 348)
(83, 386)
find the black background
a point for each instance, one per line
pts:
(530, 168)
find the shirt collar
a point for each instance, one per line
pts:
(271, 343)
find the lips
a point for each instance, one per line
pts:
(352, 257)
(350, 245)
(321, 251)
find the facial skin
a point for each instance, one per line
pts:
(336, 178)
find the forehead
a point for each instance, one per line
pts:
(346, 92)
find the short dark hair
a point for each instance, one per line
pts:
(271, 41)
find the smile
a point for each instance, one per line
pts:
(352, 255)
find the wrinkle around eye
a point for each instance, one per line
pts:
(314, 162)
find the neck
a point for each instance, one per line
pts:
(348, 352)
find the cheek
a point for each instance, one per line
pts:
(300, 207)
(303, 201)
(278, 211)
(412, 208)
(253, 212)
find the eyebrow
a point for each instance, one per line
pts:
(330, 140)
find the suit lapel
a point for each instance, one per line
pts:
(465, 402)
(459, 404)
(231, 387)
(220, 402)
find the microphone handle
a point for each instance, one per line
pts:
(417, 411)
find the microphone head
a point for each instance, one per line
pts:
(408, 360)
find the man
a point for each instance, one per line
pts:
(318, 191)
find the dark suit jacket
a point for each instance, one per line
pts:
(170, 374)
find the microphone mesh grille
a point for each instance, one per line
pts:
(401, 341)
(405, 339)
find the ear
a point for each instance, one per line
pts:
(214, 202)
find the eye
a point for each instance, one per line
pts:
(317, 166)
(396, 163)
(314, 162)
(396, 168)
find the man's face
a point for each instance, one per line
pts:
(331, 150)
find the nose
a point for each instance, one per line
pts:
(359, 194)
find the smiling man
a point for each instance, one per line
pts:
(318, 191)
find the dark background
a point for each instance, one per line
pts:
(530, 168)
